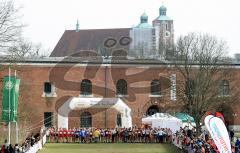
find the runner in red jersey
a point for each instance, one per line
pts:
(69, 135)
(60, 135)
(65, 135)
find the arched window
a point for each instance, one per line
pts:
(155, 87)
(119, 120)
(224, 88)
(121, 87)
(86, 87)
(86, 120)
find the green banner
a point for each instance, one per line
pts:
(14, 106)
(10, 98)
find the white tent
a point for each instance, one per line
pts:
(163, 120)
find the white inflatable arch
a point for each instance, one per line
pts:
(76, 103)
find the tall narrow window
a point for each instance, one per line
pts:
(153, 32)
(86, 119)
(47, 87)
(119, 120)
(86, 87)
(224, 88)
(48, 118)
(121, 87)
(155, 87)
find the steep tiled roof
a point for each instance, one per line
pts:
(90, 39)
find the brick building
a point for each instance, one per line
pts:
(46, 85)
(143, 84)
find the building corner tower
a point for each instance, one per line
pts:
(164, 33)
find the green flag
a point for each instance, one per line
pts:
(14, 106)
(8, 98)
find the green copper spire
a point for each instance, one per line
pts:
(77, 26)
(144, 18)
(163, 13)
(162, 10)
(144, 22)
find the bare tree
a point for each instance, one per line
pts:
(205, 74)
(10, 24)
(24, 49)
(11, 41)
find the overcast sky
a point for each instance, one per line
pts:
(47, 19)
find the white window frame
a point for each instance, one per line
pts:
(53, 92)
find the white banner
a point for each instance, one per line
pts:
(206, 121)
(219, 133)
(173, 90)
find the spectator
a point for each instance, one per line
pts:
(16, 148)
(3, 149)
(237, 146)
(231, 135)
(10, 149)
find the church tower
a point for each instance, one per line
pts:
(143, 43)
(164, 34)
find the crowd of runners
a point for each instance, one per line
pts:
(125, 135)
(186, 138)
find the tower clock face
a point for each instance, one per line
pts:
(167, 34)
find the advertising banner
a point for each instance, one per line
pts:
(219, 133)
(10, 98)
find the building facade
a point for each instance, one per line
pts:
(126, 65)
(145, 87)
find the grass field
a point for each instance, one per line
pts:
(108, 148)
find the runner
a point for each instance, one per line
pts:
(65, 135)
(83, 135)
(69, 135)
(73, 134)
(80, 135)
(76, 133)
(60, 135)
(91, 135)
(113, 131)
(96, 135)
(147, 135)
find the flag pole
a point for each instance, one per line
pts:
(9, 105)
(15, 111)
